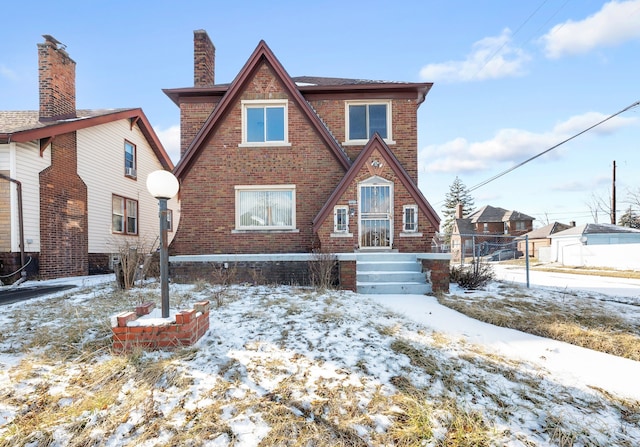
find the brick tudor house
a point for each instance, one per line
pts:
(73, 182)
(274, 168)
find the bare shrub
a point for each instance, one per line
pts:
(322, 269)
(223, 276)
(473, 276)
(135, 261)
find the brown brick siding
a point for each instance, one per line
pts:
(63, 213)
(57, 77)
(208, 194)
(401, 197)
(439, 273)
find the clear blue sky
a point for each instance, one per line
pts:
(511, 78)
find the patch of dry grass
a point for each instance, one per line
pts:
(582, 322)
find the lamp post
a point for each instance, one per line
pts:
(163, 185)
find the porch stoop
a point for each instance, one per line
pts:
(390, 273)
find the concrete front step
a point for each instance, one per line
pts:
(390, 273)
(391, 288)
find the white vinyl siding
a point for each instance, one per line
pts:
(100, 165)
(25, 165)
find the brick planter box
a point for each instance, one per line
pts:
(140, 329)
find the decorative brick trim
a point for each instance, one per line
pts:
(190, 325)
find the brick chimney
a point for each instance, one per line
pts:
(57, 76)
(459, 211)
(204, 60)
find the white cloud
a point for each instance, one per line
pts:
(170, 139)
(491, 58)
(8, 73)
(617, 22)
(510, 145)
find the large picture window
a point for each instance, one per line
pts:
(265, 207)
(264, 123)
(364, 119)
(124, 215)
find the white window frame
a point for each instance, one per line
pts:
(404, 218)
(262, 103)
(336, 210)
(130, 171)
(265, 188)
(124, 212)
(348, 140)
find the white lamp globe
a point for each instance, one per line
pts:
(162, 184)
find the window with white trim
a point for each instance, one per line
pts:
(130, 159)
(341, 219)
(265, 123)
(169, 220)
(410, 218)
(365, 118)
(271, 207)
(124, 214)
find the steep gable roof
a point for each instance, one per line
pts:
(23, 126)
(377, 143)
(260, 54)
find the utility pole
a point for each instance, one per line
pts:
(613, 195)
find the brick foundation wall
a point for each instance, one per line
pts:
(439, 273)
(99, 263)
(189, 326)
(348, 275)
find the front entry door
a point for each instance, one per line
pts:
(376, 216)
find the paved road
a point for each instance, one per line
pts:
(601, 284)
(9, 295)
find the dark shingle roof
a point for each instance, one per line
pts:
(546, 231)
(594, 228)
(490, 213)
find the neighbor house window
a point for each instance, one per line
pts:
(485, 227)
(264, 123)
(130, 160)
(520, 226)
(366, 118)
(169, 220)
(341, 219)
(124, 214)
(270, 207)
(410, 218)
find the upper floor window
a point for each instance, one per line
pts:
(485, 227)
(264, 123)
(130, 159)
(363, 119)
(410, 218)
(520, 225)
(270, 207)
(124, 215)
(341, 219)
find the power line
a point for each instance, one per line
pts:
(497, 176)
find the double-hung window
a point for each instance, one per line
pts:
(341, 219)
(264, 123)
(271, 207)
(410, 218)
(124, 215)
(364, 119)
(130, 160)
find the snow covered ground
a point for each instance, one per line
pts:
(332, 366)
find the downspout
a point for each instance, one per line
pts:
(20, 219)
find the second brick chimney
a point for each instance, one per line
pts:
(57, 81)
(204, 60)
